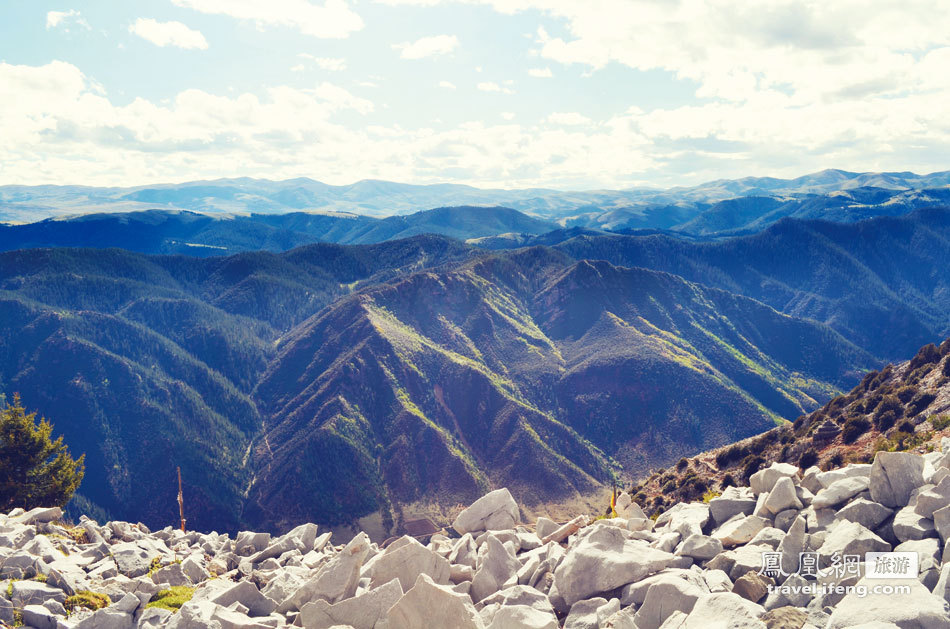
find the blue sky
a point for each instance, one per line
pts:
(500, 93)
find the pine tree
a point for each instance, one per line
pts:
(35, 471)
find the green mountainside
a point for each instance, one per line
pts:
(332, 381)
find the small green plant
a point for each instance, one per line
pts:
(10, 588)
(78, 535)
(87, 599)
(39, 577)
(173, 598)
(710, 494)
(155, 566)
(939, 422)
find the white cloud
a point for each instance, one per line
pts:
(568, 119)
(57, 126)
(541, 73)
(491, 86)
(332, 20)
(331, 64)
(173, 34)
(57, 18)
(447, 85)
(508, 115)
(428, 47)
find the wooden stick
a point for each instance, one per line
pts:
(567, 530)
(181, 503)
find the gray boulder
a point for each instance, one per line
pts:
(764, 480)
(739, 530)
(782, 496)
(522, 617)
(663, 598)
(909, 525)
(498, 569)
(335, 580)
(700, 547)
(894, 476)
(406, 562)
(918, 609)
(604, 560)
(360, 612)
(850, 538)
(868, 514)
(496, 510)
(840, 491)
(428, 604)
(733, 501)
(591, 613)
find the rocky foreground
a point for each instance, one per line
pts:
(697, 566)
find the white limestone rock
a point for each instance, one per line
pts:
(335, 580)
(850, 538)
(498, 569)
(699, 547)
(919, 609)
(406, 562)
(496, 510)
(782, 496)
(840, 491)
(663, 598)
(604, 560)
(428, 604)
(894, 476)
(909, 525)
(739, 530)
(360, 612)
(733, 501)
(764, 480)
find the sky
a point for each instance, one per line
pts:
(564, 94)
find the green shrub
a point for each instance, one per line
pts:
(727, 481)
(906, 394)
(854, 428)
(808, 458)
(927, 355)
(920, 402)
(750, 465)
(681, 464)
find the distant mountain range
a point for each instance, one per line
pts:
(332, 381)
(203, 235)
(751, 203)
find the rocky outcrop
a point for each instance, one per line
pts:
(775, 555)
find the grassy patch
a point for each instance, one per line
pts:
(87, 599)
(940, 422)
(173, 598)
(902, 441)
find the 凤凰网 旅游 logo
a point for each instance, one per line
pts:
(890, 565)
